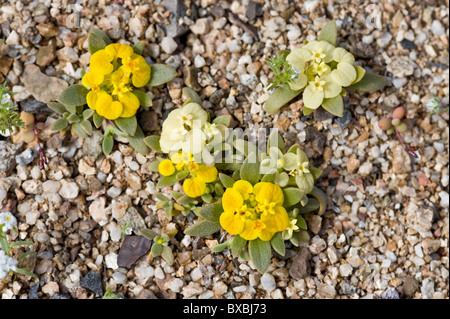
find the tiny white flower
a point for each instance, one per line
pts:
(8, 221)
(433, 105)
(7, 264)
(6, 98)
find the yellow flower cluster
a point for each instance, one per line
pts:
(254, 211)
(200, 174)
(113, 74)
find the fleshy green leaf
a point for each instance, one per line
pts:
(292, 196)
(138, 47)
(269, 178)
(307, 110)
(144, 99)
(278, 244)
(334, 105)
(237, 244)
(74, 95)
(260, 254)
(87, 127)
(156, 249)
(182, 174)
(203, 228)
(321, 197)
(245, 147)
(88, 113)
(212, 212)
(57, 107)
(97, 119)
(315, 172)
(312, 205)
(279, 97)
(219, 248)
(167, 255)
(73, 118)
(275, 140)
(161, 197)
(78, 130)
(167, 181)
(161, 74)
(226, 180)
(329, 33)
(128, 125)
(250, 171)
(192, 96)
(152, 141)
(97, 40)
(223, 119)
(60, 124)
(370, 82)
(301, 223)
(153, 165)
(107, 144)
(184, 200)
(137, 141)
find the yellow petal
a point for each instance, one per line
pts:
(91, 99)
(100, 62)
(119, 50)
(276, 222)
(270, 192)
(102, 101)
(298, 58)
(312, 98)
(231, 223)
(252, 229)
(130, 104)
(142, 75)
(232, 200)
(193, 187)
(166, 167)
(108, 108)
(300, 82)
(344, 74)
(244, 188)
(207, 174)
(266, 235)
(92, 79)
(331, 88)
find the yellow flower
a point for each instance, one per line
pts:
(166, 167)
(194, 187)
(101, 62)
(180, 159)
(202, 174)
(345, 72)
(140, 70)
(254, 211)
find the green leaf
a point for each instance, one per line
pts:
(97, 119)
(270, 178)
(245, 147)
(307, 110)
(78, 130)
(303, 235)
(138, 47)
(161, 74)
(203, 228)
(167, 181)
(312, 205)
(260, 254)
(107, 144)
(25, 272)
(60, 124)
(301, 223)
(28, 253)
(97, 40)
(292, 196)
(74, 95)
(20, 243)
(360, 72)
(275, 140)
(167, 255)
(218, 248)
(250, 171)
(152, 141)
(212, 212)
(87, 114)
(192, 96)
(207, 198)
(329, 33)
(87, 127)
(279, 97)
(226, 180)
(144, 99)
(57, 107)
(128, 125)
(223, 119)
(278, 244)
(161, 197)
(73, 118)
(137, 142)
(182, 174)
(153, 165)
(218, 189)
(156, 249)
(237, 244)
(321, 197)
(334, 105)
(370, 82)
(315, 172)
(184, 200)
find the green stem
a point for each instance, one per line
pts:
(321, 197)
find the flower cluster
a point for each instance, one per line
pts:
(113, 74)
(7, 264)
(9, 118)
(254, 211)
(199, 174)
(7, 222)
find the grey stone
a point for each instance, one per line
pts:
(93, 282)
(254, 10)
(33, 106)
(33, 293)
(410, 286)
(7, 153)
(60, 296)
(391, 293)
(92, 146)
(133, 248)
(178, 9)
(301, 267)
(407, 44)
(345, 119)
(26, 157)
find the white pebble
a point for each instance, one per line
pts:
(168, 45)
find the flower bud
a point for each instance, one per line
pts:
(402, 128)
(384, 124)
(396, 122)
(399, 113)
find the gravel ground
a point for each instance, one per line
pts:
(385, 233)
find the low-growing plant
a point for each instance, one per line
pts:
(160, 246)
(10, 119)
(8, 264)
(320, 71)
(112, 91)
(395, 124)
(435, 106)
